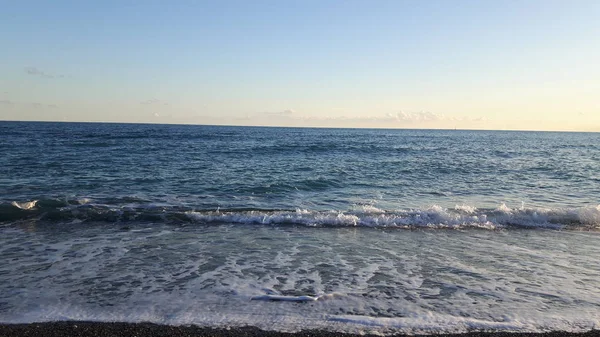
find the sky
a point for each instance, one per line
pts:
(484, 64)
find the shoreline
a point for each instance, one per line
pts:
(120, 329)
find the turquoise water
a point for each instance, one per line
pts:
(289, 228)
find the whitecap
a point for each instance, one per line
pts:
(25, 205)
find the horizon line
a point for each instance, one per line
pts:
(292, 127)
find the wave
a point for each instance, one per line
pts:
(24, 205)
(434, 217)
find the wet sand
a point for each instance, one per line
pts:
(82, 329)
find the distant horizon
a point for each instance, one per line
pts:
(293, 127)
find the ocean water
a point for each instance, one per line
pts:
(378, 231)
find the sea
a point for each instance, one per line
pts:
(288, 229)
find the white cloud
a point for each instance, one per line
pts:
(43, 105)
(401, 119)
(286, 112)
(154, 101)
(28, 104)
(33, 71)
(421, 116)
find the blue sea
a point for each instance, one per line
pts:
(351, 230)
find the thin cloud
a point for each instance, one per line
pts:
(286, 112)
(421, 116)
(34, 71)
(401, 117)
(398, 118)
(35, 105)
(38, 105)
(154, 101)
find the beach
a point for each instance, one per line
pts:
(84, 329)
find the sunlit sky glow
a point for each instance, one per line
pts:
(521, 65)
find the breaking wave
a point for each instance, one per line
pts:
(434, 217)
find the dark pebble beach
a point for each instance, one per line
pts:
(97, 329)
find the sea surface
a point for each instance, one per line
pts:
(353, 230)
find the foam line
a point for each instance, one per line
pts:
(285, 298)
(303, 298)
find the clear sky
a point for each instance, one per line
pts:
(528, 64)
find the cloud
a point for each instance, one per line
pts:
(394, 119)
(399, 117)
(36, 105)
(421, 116)
(33, 71)
(286, 112)
(154, 101)
(43, 105)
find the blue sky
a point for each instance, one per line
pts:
(426, 64)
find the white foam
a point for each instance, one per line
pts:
(503, 208)
(427, 323)
(303, 298)
(368, 209)
(290, 278)
(587, 215)
(418, 324)
(83, 201)
(25, 205)
(466, 208)
(285, 298)
(430, 322)
(435, 216)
